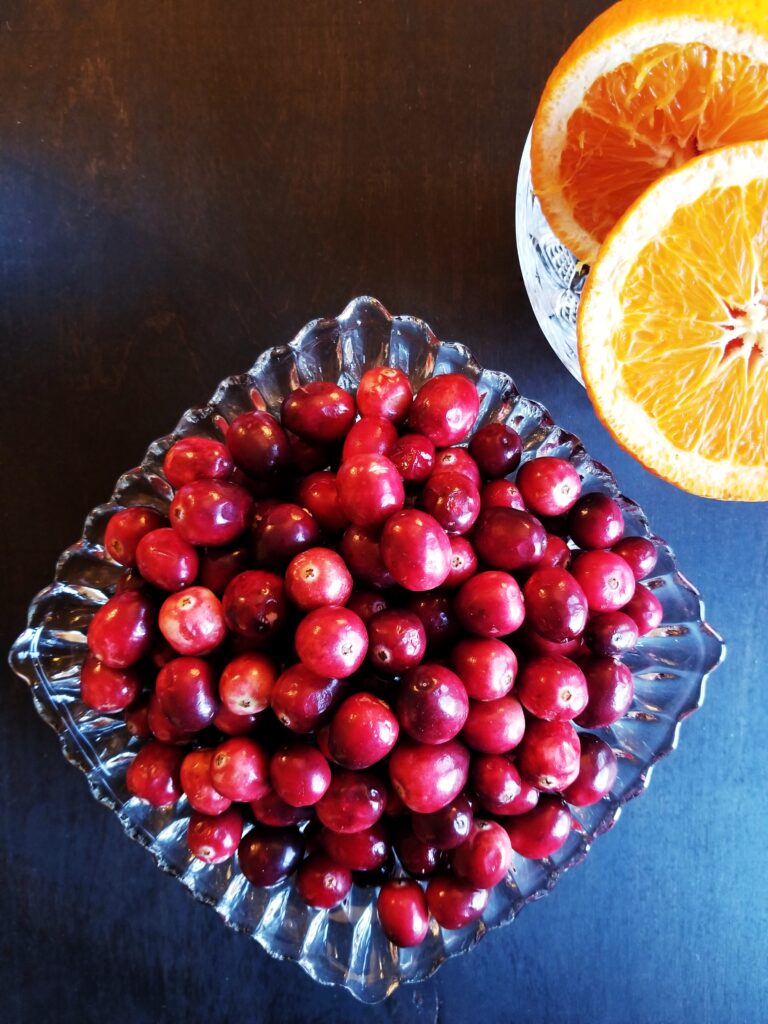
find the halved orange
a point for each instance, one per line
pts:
(673, 326)
(648, 85)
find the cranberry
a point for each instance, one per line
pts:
(354, 801)
(318, 577)
(196, 458)
(361, 550)
(490, 604)
(121, 631)
(285, 531)
(541, 831)
(435, 609)
(426, 776)
(549, 486)
(595, 521)
(536, 644)
(137, 718)
(258, 444)
(319, 411)
(487, 667)
(358, 851)
(494, 726)
(215, 839)
(463, 562)
(416, 550)
(161, 726)
(605, 578)
(525, 800)
(639, 553)
(453, 903)
(508, 539)
(108, 689)
(549, 754)
(497, 783)
(332, 640)
(445, 409)
(397, 641)
(247, 682)
(597, 772)
(268, 855)
(165, 560)
(501, 494)
(270, 809)
(129, 579)
(153, 775)
(300, 774)
(192, 621)
(210, 512)
(363, 731)
(371, 435)
(557, 554)
(645, 610)
(413, 456)
(446, 828)
(453, 500)
(255, 606)
(126, 528)
(611, 634)
(196, 783)
(321, 882)
(384, 391)
(219, 566)
(233, 725)
(485, 858)
(366, 604)
(552, 687)
(240, 769)
(432, 704)
(417, 858)
(306, 456)
(403, 912)
(319, 494)
(497, 449)
(187, 693)
(556, 605)
(303, 700)
(611, 690)
(259, 513)
(457, 460)
(370, 490)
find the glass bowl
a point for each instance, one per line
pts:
(345, 946)
(552, 275)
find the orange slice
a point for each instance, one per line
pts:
(673, 326)
(648, 85)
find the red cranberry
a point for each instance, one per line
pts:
(403, 912)
(307, 457)
(552, 688)
(549, 754)
(210, 512)
(258, 444)
(549, 486)
(447, 828)
(501, 494)
(541, 831)
(303, 700)
(215, 839)
(137, 718)
(332, 640)
(453, 903)
(611, 634)
(597, 772)
(219, 566)
(417, 858)
(354, 801)
(321, 882)
(255, 606)
(557, 554)
(162, 728)
(556, 605)
(595, 521)
(268, 855)
(525, 800)
(413, 456)
(487, 667)
(318, 577)
(366, 604)
(611, 690)
(371, 435)
(196, 783)
(196, 458)
(259, 513)
(300, 774)
(639, 553)
(494, 726)
(457, 460)
(233, 725)
(485, 858)
(370, 490)
(605, 578)
(645, 610)
(361, 550)
(490, 604)
(497, 783)
(240, 769)
(426, 776)
(445, 409)
(246, 683)
(319, 495)
(453, 500)
(463, 562)
(358, 851)
(270, 809)
(285, 531)
(187, 693)
(432, 704)
(416, 550)
(153, 775)
(508, 539)
(536, 644)
(435, 609)
(497, 449)
(363, 731)
(319, 411)
(126, 528)
(397, 641)
(108, 689)
(192, 621)
(165, 560)
(384, 391)
(121, 632)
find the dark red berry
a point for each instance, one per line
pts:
(505, 538)
(108, 689)
(186, 690)
(497, 449)
(413, 456)
(549, 486)
(453, 903)
(162, 728)
(363, 730)
(285, 531)
(371, 435)
(246, 683)
(403, 912)
(197, 458)
(552, 687)
(219, 566)
(153, 775)
(432, 704)
(300, 774)
(556, 605)
(611, 634)
(496, 781)
(541, 831)
(258, 444)
(255, 605)
(457, 460)
(165, 560)
(358, 851)
(197, 785)
(611, 690)
(486, 666)
(435, 609)
(240, 769)
(361, 550)
(426, 776)
(485, 857)
(384, 391)
(597, 772)
(445, 409)
(494, 726)
(354, 801)
(319, 495)
(122, 630)
(366, 604)
(447, 828)
(417, 858)
(397, 641)
(126, 528)
(595, 521)
(215, 839)
(210, 512)
(645, 609)
(501, 494)
(549, 754)
(268, 855)
(319, 411)
(453, 501)
(321, 882)
(639, 553)
(332, 640)
(270, 809)
(302, 700)
(490, 605)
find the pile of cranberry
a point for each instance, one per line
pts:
(356, 637)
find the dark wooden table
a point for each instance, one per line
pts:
(181, 185)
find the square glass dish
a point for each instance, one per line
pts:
(346, 946)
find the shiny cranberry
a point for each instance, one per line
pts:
(108, 689)
(435, 609)
(611, 634)
(508, 539)
(497, 449)
(219, 566)
(497, 783)
(487, 667)
(397, 641)
(457, 460)
(319, 411)
(366, 604)
(557, 554)
(258, 444)
(192, 621)
(403, 912)
(418, 859)
(153, 775)
(321, 882)
(413, 456)
(165, 560)
(246, 683)
(137, 718)
(358, 851)
(556, 605)
(453, 903)
(463, 562)
(494, 726)
(501, 494)
(428, 776)
(541, 831)
(485, 858)
(639, 553)
(122, 630)
(432, 704)
(270, 809)
(197, 785)
(240, 769)
(196, 458)
(445, 409)
(332, 640)
(490, 604)
(549, 754)
(363, 731)
(370, 490)
(255, 605)
(371, 435)
(453, 501)
(300, 774)
(645, 610)
(354, 801)
(525, 800)
(552, 688)
(550, 486)
(161, 726)
(210, 512)
(233, 725)
(611, 691)
(605, 578)
(447, 828)
(595, 521)
(285, 531)
(214, 839)
(416, 550)
(361, 550)
(126, 528)
(535, 644)
(318, 577)
(384, 391)
(268, 855)
(186, 690)
(303, 700)
(598, 768)
(306, 456)
(319, 495)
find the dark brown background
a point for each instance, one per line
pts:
(181, 185)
